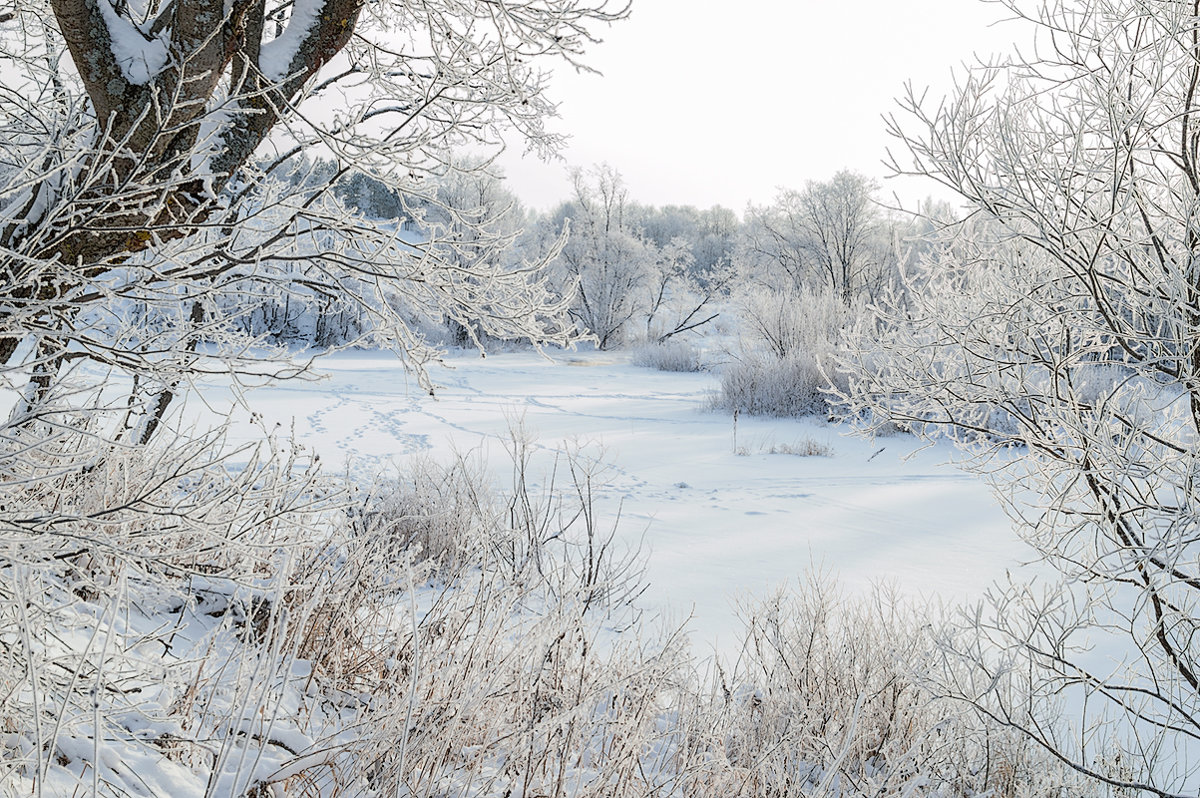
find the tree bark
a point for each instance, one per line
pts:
(138, 187)
(144, 189)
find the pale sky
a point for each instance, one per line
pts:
(707, 102)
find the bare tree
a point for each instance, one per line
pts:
(1055, 334)
(830, 236)
(605, 260)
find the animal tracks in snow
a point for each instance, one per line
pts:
(715, 525)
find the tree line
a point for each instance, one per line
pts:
(629, 272)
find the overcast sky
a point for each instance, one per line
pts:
(707, 102)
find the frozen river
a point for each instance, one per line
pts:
(716, 525)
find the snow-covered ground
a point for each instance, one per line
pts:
(716, 524)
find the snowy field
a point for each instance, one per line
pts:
(716, 526)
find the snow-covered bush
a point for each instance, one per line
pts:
(763, 385)
(830, 696)
(800, 447)
(785, 363)
(430, 512)
(140, 635)
(672, 354)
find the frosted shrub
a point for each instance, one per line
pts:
(785, 361)
(495, 671)
(431, 511)
(669, 355)
(784, 322)
(768, 386)
(131, 579)
(831, 697)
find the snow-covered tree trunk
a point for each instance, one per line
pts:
(148, 151)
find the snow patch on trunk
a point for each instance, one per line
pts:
(275, 58)
(139, 57)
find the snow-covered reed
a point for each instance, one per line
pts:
(430, 636)
(672, 354)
